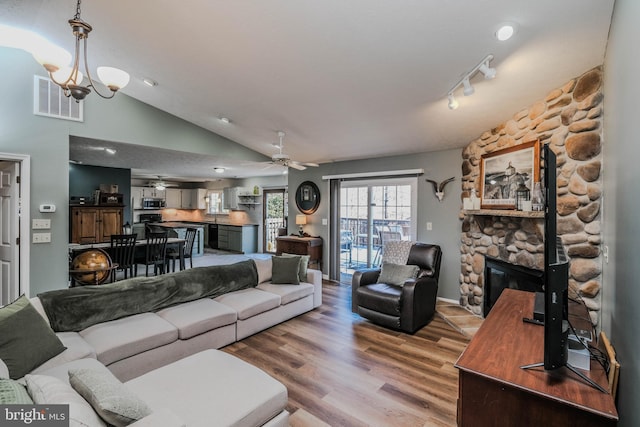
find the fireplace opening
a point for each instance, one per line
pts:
(500, 275)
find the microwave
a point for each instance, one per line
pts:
(150, 203)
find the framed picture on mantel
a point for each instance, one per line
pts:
(502, 171)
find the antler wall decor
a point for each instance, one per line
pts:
(438, 189)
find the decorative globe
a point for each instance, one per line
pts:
(91, 267)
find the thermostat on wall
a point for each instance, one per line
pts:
(47, 208)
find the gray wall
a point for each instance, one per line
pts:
(444, 215)
(46, 140)
(621, 301)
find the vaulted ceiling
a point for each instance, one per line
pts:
(344, 79)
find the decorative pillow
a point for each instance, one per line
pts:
(11, 309)
(50, 390)
(4, 370)
(13, 393)
(26, 340)
(285, 270)
(396, 251)
(111, 399)
(396, 274)
(263, 265)
(304, 265)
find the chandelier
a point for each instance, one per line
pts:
(55, 60)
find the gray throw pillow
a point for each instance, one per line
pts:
(26, 340)
(14, 393)
(396, 274)
(285, 270)
(304, 265)
(111, 399)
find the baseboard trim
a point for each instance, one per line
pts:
(451, 301)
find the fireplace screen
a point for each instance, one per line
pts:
(500, 275)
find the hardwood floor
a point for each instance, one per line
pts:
(341, 370)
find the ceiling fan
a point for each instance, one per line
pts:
(283, 159)
(160, 184)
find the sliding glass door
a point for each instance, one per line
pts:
(275, 217)
(372, 212)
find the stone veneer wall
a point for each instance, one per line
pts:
(569, 119)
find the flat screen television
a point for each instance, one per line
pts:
(556, 281)
(556, 274)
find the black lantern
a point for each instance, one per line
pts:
(522, 194)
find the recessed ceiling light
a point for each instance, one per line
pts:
(225, 120)
(149, 82)
(505, 32)
(218, 170)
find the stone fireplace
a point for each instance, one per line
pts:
(500, 275)
(569, 120)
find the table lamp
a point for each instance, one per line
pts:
(300, 221)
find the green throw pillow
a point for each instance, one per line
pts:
(111, 399)
(14, 393)
(26, 340)
(14, 307)
(396, 274)
(304, 265)
(285, 270)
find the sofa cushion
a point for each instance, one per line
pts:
(235, 393)
(13, 393)
(77, 348)
(304, 265)
(197, 317)
(286, 270)
(288, 293)
(50, 390)
(26, 339)
(119, 339)
(395, 274)
(111, 399)
(249, 302)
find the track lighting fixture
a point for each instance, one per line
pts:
(465, 81)
(453, 103)
(468, 89)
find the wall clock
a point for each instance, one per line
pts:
(308, 197)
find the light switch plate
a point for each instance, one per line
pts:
(41, 224)
(41, 238)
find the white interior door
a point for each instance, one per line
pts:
(9, 232)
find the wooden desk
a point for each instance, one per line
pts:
(495, 391)
(311, 246)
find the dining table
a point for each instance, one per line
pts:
(178, 243)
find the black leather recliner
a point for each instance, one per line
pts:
(408, 307)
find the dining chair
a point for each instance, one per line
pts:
(173, 254)
(122, 250)
(155, 252)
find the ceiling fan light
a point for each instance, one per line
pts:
(113, 78)
(160, 186)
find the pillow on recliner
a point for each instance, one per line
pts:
(396, 274)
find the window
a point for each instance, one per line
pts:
(216, 204)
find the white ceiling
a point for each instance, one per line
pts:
(345, 79)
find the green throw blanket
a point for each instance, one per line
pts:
(78, 308)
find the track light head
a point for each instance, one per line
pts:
(468, 89)
(489, 73)
(453, 103)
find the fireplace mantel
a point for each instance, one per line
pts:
(504, 212)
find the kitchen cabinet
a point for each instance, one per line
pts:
(136, 197)
(184, 198)
(200, 195)
(230, 198)
(153, 193)
(241, 198)
(238, 238)
(94, 224)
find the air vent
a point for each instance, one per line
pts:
(49, 101)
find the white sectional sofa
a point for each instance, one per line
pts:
(169, 357)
